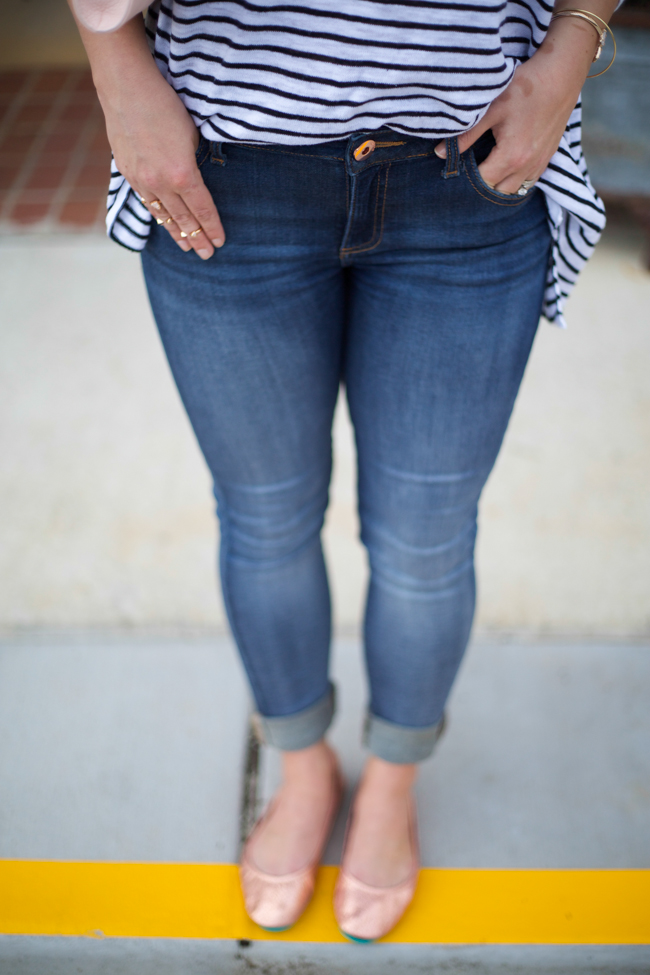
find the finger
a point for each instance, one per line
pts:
(191, 205)
(174, 231)
(162, 216)
(515, 181)
(465, 139)
(189, 228)
(507, 175)
(158, 211)
(199, 202)
(500, 167)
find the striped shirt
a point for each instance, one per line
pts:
(312, 71)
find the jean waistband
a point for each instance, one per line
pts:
(363, 149)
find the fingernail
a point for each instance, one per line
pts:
(203, 254)
(184, 246)
(441, 150)
(218, 242)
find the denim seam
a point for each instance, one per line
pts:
(503, 202)
(348, 251)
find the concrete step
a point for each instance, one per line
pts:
(133, 749)
(545, 762)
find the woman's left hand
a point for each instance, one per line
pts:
(529, 118)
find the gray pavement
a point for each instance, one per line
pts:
(545, 761)
(128, 747)
(121, 749)
(133, 748)
(85, 956)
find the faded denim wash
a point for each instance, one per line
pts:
(411, 282)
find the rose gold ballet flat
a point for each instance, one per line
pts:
(276, 902)
(366, 913)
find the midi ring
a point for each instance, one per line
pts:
(525, 186)
(193, 233)
(156, 204)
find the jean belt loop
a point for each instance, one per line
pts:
(217, 153)
(451, 168)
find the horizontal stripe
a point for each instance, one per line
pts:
(179, 900)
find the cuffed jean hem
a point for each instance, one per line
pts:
(398, 744)
(294, 731)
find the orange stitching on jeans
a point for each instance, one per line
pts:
(471, 175)
(453, 141)
(492, 199)
(416, 155)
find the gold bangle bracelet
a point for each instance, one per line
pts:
(602, 32)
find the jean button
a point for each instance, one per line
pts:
(364, 149)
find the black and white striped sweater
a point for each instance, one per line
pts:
(312, 71)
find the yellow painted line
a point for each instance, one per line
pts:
(184, 900)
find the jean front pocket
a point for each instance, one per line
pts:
(486, 191)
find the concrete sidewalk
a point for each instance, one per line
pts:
(83, 956)
(128, 748)
(545, 761)
(107, 509)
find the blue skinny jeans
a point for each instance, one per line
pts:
(412, 283)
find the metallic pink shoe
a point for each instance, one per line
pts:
(366, 913)
(275, 902)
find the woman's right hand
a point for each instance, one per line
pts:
(153, 137)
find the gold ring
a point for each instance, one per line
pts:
(156, 204)
(169, 220)
(192, 233)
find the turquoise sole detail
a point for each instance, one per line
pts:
(358, 941)
(276, 930)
